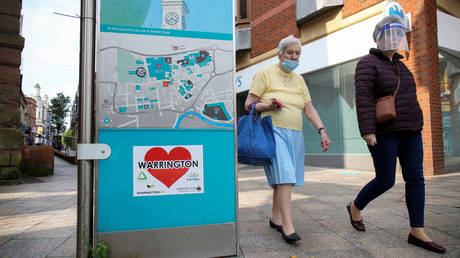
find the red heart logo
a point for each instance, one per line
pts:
(168, 176)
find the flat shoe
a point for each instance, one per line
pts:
(291, 238)
(278, 228)
(358, 224)
(432, 246)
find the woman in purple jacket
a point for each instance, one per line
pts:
(377, 76)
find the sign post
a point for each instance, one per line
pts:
(165, 105)
(86, 135)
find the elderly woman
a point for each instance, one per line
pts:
(379, 74)
(279, 92)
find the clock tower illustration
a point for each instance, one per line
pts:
(174, 15)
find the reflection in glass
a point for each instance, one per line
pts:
(449, 66)
(333, 94)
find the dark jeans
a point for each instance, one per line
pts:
(408, 147)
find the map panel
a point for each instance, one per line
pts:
(164, 82)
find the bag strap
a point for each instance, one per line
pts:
(399, 80)
(253, 110)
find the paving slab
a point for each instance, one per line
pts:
(38, 216)
(21, 248)
(65, 249)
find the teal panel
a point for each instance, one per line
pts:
(203, 15)
(119, 210)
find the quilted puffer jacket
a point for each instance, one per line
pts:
(376, 76)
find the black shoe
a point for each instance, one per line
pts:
(432, 246)
(276, 227)
(291, 238)
(357, 224)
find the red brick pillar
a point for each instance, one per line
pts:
(423, 61)
(11, 44)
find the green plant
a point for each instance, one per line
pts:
(100, 251)
(66, 138)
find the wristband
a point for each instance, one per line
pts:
(320, 129)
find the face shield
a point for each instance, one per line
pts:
(392, 37)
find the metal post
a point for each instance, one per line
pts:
(86, 130)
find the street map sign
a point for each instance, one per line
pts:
(155, 77)
(165, 107)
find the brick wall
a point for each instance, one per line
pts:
(11, 44)
(423, 61)
(351, 7)
(272, 20)
(31, 107)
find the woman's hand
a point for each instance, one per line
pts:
(278, 104)
(261, 107)
(325, 141)
(274, 105)
(370, 139)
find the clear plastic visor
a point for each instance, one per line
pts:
(392, 37)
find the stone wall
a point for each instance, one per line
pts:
(11, 44)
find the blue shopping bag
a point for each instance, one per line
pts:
(256, 142)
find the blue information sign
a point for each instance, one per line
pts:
(165, 106)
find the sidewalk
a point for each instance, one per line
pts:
(321, 219)
(38, 217)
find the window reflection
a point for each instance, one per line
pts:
(333, 94)
(449, 66)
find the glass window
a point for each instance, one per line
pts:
(449, 66)
(240, 100)
(243, 14)
(333, 94)
(243, 9)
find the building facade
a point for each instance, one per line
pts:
(334, 35)
(42, 110)
(30, 114)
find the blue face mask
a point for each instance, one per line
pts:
(290, 65)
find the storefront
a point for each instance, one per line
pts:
(328, 66)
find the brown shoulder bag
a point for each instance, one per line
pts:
(385, 109)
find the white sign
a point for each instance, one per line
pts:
(394, 8)
(167, 170)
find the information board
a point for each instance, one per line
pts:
(155, 74)
(165, 106)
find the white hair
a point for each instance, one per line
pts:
(289, 40)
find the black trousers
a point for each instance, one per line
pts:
(408, 147)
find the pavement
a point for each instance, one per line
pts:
(38, 217)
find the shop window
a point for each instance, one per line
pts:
(240, 100)
(449, 66)
(333, 94)
(243, 11)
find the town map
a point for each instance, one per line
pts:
(180, 84)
